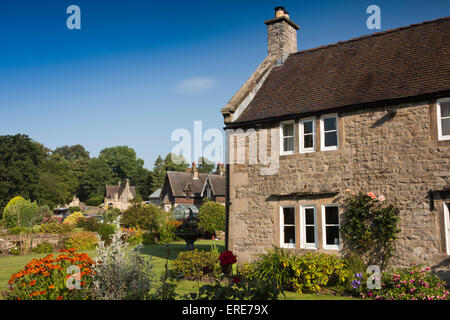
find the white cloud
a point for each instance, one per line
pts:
(196, 85)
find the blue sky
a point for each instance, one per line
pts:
(137, 70)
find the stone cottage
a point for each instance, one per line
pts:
(119, 196)
(366, 114)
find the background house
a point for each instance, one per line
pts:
(191, 187)
(119, 196)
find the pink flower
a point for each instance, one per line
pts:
(371, 195)
(381, 198)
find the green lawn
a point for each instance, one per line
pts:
(159, 254)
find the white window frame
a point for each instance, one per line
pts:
(282, 243)
(303, 225)
(324, 225)
(439, 119)
(302, 135)
(282, 124)
(447, 226)
(322, 132)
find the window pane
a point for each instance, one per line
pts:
(310, 236)
(309, 216)
(331, 215)
(289, 217)
(308, 127)
(289, 234)
(288, 144)
(329, 124)
(308, 141)
(288, 130)
(332, 234)
(445, 124)
(330, 139)
(445, 109)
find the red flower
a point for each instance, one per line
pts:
(236, 279)
(227, 258)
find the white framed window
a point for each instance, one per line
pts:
(308, 227)
(307, 131)
(329, 132)
(443, 117)
(330, 227)
(287, 138)
(447, 226)
(287, 226)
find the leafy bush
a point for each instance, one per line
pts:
(52, 227)
(195, 264)
(120, 273)
(74, 209)
(19, 230)
(211, 217)
(95, 201)
(43, 213)
(46, 278)
(111, 215)
(73, 218)
(105, 232)
(141, 216)
(272, 265)
(43, 247)
(309, 272)
(83, 240)
(36, 229)
(413, 283)
(167, 231)
(133, 236)
(20, 213)
(370, 228)
(88, 224)
(149, 238)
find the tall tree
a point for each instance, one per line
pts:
(72, 152)
(205, 166)
(123, 161)
(20, 160)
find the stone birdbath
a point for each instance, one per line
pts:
(188, 231)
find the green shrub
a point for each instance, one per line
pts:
(44, 213)
(370, 228)
(36, 229)
(413, 283)
(74, 209)
(88, 224)
(83, 240)
(302, 273)
(167, 231)
(149, 238)
(19, 230)
(20, 213)
(95, 201)
(111, 215)
(73, 218)
(52, 227)
(141, 216)
(43, 247)
(211, 217)
(105, 231)
(193, 264)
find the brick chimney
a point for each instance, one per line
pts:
(195, 171)
(281, 34)
(219, 169)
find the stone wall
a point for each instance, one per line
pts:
(10, 241)
(399, 157)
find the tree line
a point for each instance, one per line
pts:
(53, 177)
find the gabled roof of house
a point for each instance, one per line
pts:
(179, 181)
(111, 190)
(155, 195)
(412, 61)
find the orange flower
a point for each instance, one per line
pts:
(59, 298)
(32, 283)
(51, 287)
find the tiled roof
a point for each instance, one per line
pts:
(396, 64)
